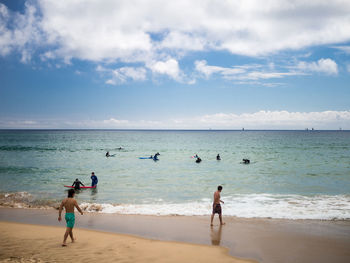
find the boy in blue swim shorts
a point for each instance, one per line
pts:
(69, 203)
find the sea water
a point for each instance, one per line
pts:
(292, 174)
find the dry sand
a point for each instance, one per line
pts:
(33, 243)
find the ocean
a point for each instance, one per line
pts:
(292, 174)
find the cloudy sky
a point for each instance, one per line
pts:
(185, 64)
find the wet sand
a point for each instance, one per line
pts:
(264, 240)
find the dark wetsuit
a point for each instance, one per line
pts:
(77, 184)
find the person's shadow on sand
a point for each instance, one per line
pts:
(215, 235)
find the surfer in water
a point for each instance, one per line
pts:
(107, 154)
(69, 203)
(246, 161)
(198, 159)
(94, 180)
(155, 158)
(76, 184)
(218, 157)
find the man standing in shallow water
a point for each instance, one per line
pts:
(217, 206)
(69, 204)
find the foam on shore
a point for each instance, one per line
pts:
(322, 207)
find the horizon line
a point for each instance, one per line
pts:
(159, 129)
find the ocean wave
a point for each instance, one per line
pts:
(25, 148)
(320, 207)
(21, 148)
(25, 200)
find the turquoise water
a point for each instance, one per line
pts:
(293, 174)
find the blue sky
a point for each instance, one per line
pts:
(183, 65)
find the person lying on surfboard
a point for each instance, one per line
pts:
(76, 184)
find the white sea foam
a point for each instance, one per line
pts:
(248, 206)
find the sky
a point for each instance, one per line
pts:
(185, 64)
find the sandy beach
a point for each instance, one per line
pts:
(33, 243)
(262, 240)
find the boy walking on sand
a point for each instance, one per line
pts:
(217, 206)
(69, 204)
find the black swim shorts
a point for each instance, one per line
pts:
(217, 209)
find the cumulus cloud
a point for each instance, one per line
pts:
(20, 32)
(157, 34)
(327, 66)
(256, 120)
(126, 30)
(169, 67)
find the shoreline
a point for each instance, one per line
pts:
(263, 240)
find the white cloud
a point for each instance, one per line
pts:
(202, 67)
(114, 121)
(184, 41)
(257, 120)
(19, 32)
(345, 49)
(124, 30)
(99, 68)
(327, 66)
(242, 72)
(269, 71)
(123, 74)
(270, 120)
(169, 67)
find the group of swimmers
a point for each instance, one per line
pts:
(218, 157)
(70, 203)
(77, 183)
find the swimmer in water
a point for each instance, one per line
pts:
(76, 184)
(94, 180)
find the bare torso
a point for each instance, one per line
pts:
(217, 197)
(69, 204)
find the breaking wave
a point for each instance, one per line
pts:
(321, 207)
(247, 206)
